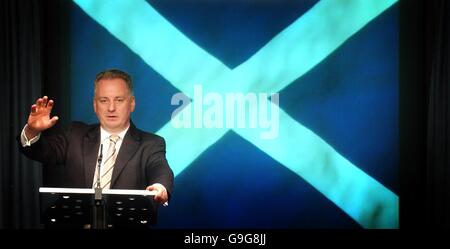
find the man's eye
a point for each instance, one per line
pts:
(103, 101)
(120, 100)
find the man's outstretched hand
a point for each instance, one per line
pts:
(39, 118)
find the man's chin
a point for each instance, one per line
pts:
(113, 126)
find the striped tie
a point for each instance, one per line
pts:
(111, 155)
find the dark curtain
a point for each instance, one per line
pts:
(21, 72)
(438, 130)
(33, 63)
(424, 114)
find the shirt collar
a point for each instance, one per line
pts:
(105, 134)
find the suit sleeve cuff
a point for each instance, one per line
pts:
(25, 141)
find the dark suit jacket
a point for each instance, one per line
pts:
(141, 160)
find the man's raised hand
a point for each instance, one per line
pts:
(39, 118)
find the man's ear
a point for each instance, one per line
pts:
(133, 103)
(94, 104)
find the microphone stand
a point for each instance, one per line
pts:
(99, 210)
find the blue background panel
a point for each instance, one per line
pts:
(349, 100)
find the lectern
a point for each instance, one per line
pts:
(78, 208)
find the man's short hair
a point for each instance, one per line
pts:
(114, 74)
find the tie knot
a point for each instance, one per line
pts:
(114, 138)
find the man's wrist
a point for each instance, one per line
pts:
(30, 133)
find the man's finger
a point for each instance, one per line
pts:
(54, 120)
(158, 198)
(39, 102)
(33, 108)
(44, 101)
(50, 104)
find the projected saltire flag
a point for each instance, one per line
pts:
(289, 55)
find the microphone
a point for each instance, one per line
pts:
(99, 162)
(98, 210)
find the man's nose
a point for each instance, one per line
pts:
(111, 106)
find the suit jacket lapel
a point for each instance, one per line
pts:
(91, 143)
(128, 148)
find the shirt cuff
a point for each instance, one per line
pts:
(28, 142)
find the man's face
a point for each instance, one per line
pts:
(113, 104)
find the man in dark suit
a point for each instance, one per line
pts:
(132, 159)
